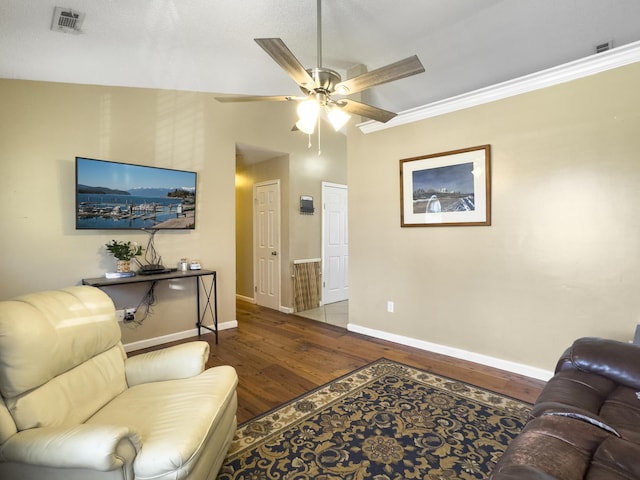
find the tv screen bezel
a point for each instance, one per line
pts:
(135, 167)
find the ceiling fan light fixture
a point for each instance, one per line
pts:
(338, 117)
(319, 84)
(308, 112)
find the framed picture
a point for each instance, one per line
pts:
(446, 189)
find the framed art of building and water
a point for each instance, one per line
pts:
(446, 189)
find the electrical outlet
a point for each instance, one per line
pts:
(129, 314)
(120, 315)
(390, 306)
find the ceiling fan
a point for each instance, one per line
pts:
(321, 85)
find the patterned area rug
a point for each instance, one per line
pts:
(385, 421)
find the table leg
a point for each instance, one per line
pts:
(213, 309)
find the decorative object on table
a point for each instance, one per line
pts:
(194, 265)
(124, 253)
(385, 420)
(112, 275)
(446, 189)
(153, 261)
(183, 265)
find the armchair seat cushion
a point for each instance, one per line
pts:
(173, 419)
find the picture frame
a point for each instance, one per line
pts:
(446, 189)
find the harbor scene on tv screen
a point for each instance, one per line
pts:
(113, 195)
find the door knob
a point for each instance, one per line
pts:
(274, 253)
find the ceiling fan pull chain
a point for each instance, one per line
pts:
(319, 128)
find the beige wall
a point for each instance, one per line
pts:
(43, 126)
(306, 179)
(561, 259)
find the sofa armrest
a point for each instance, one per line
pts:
(618, 361)
(96, 447)
(180, 361)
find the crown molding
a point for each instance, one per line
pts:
(591, 65)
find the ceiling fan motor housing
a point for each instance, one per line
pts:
(325, 80)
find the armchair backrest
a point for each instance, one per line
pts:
(61, 358)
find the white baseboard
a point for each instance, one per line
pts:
(506, 365)
(172, 337)
(285, 309)
(245, 299)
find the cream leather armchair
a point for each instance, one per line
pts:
(73, 406)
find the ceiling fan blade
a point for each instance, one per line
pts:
(276, 48)
(364, 110)
(395, 71)
(258, 98)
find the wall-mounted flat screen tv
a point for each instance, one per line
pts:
(113, 195)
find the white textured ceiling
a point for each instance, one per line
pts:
(207, 45)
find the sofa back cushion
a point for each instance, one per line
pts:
(70, 335)
(74, 396)
(7, 425)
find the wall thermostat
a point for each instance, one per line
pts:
(306, 205)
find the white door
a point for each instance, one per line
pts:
(335, 243)
(267, 243)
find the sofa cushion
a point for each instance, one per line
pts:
(621, 410)
(602, 399)
(45, 334)
(173, 419)
(564, 448)
(615, 458)
(522, 472)
(584, 390)
(7, 425)
(73, 396)
(611, 359)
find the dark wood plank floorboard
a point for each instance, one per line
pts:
(279, 357)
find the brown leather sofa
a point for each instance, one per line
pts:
(586, 422)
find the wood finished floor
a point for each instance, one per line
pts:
(279, 357)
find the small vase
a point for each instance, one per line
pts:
(123, 266)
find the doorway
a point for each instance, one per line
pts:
(266, 243)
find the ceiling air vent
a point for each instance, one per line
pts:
(66, 20)
(603, 47)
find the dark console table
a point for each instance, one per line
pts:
(210, 291)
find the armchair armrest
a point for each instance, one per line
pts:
(97, 447)
(612, 359)
(180, 361)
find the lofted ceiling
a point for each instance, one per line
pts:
(207, 45)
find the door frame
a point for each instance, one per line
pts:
(275, 182)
